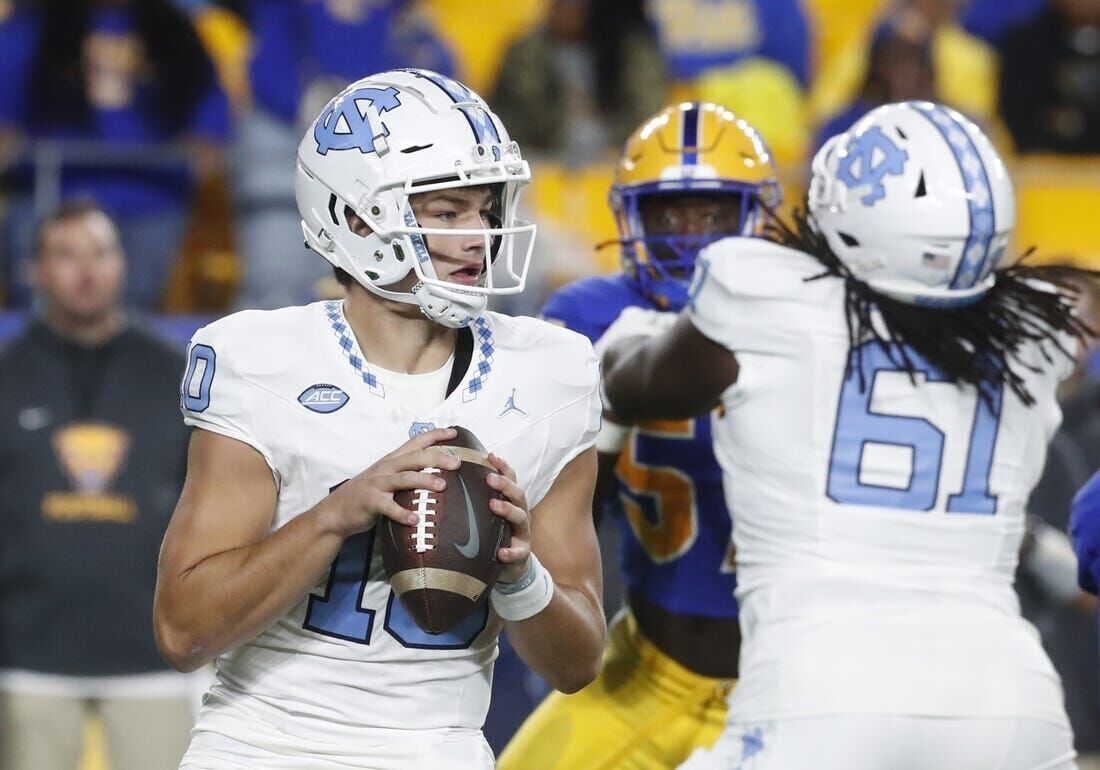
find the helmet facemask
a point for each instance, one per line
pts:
(665, 227)
(687, 151)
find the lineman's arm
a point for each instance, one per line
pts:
(222, 578)
(678, 374)
(562, 643)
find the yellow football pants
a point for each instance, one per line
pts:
(644, 712)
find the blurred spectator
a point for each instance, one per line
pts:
(221, 29)
(899, 67)
(1050, 79)
(699, 35)
(579, 82)
(751, 56)
(1065, 619)
(766, 95)
(304, 52)
(991, 19)
(964, 68)
(92, 457)
(119, 73)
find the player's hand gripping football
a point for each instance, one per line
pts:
(512, 509)
(360, 501)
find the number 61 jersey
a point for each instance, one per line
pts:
(347, 666)
(877, 519)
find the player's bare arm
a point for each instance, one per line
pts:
(223, 577)
(562, 643)
(675, 375)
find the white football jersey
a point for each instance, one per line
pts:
(877, 527)
(347, 666)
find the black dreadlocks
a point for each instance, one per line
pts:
(977, 344)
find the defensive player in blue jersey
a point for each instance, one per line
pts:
(689, 175)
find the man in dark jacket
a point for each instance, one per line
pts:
(91, 460)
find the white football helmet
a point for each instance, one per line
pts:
(390, 136)
(915, 201)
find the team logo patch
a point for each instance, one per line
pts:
(871, 158)
(91, 454)
(354, 121)
(420, 427)
(323, 398)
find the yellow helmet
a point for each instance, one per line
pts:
(696, 151)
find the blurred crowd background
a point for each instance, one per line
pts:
(181, 119)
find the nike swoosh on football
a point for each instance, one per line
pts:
(472, 545)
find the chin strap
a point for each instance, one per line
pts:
(453, 308)
(450, 307)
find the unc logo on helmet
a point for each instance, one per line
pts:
(877, 157)
(353, 122)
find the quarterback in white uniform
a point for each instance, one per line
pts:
(888, 395)
(310, 418)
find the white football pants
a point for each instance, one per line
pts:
(890, 742)
(458, 750)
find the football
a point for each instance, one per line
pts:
(442, 568)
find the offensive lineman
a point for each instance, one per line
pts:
(888, 397)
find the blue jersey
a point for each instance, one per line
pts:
(668, 493)
(295, 42)
(699, 35)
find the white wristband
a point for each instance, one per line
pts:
(527, 597)
(612, 437)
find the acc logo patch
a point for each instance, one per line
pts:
(323, 398)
